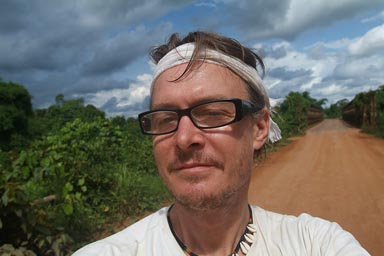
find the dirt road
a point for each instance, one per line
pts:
(334, 172)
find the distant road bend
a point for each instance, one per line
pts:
(334, 172)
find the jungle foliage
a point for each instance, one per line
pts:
(292, 113)
(15, 110)
(335, 109)
(366, 111)
(67, 171)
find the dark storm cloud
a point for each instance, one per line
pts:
(9, 22)
(116, 53)
(111, 104)
(93, 85)
(285, 74)
(275, 53)
(58, 46)
(48, 36)
(283, 18)
(51, 35)
(245, 16)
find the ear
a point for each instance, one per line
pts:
(261, 130)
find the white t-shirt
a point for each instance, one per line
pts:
(277, 234)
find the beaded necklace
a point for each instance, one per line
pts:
(245, 242)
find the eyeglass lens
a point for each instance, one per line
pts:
(208, 115)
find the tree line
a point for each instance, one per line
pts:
(67, 171)
(366, 111)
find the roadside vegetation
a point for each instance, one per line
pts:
(67, 172)
(364, 111)
(297, 112)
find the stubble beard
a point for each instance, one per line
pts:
(203, 201)
(199, 199)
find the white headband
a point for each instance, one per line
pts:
(183, 53)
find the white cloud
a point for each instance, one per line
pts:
(324, 69)
(300, 60)
(135, 93)
(138, 91)
(371, 43)
(331, 89)
(335, 45)
(206, 4)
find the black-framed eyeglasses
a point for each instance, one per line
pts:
(206, 115)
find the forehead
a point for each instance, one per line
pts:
(205, 81)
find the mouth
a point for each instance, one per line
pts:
(197, 164)
(193, 167)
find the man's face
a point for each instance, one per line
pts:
(204, 168)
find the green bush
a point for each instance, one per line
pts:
(93, 172)
(138, 192)
(380, 111)
(292, 114)
(366, 111)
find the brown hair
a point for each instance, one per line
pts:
(225, 45)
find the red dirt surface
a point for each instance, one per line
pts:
(334, 172)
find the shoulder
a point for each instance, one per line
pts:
(306, 233)
(303, 221)
(129, 240)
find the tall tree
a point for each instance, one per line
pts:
(59, 99)
(15, 108)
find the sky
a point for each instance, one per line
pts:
(98, 50)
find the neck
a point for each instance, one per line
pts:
(212, 231)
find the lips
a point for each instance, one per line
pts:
(193, 165)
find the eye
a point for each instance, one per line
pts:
(215, 110)
(167, 119)
(214, 113)
(161, 119)
(146, 123)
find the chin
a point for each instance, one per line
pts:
(204, 200)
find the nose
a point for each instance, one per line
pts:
(188, 136)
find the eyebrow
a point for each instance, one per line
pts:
(172, 105)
